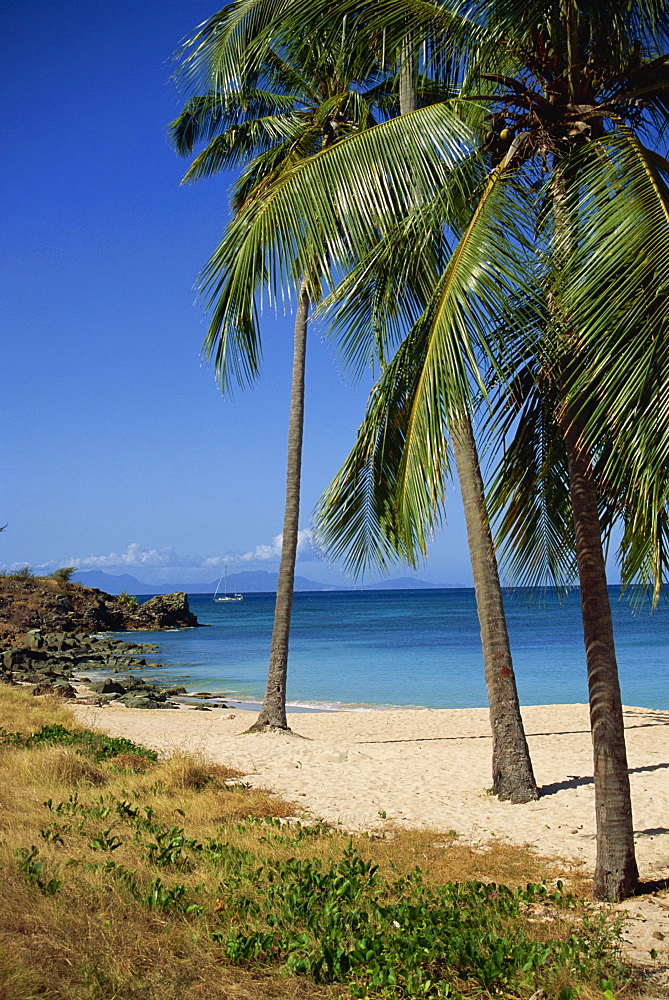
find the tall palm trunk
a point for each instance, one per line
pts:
(616, 873)
(273, 712)
(408, 81)
(512, 775)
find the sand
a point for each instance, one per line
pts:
(428, 768)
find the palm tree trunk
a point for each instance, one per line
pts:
(616, 873)
(273, 712)
(408, 78)
(512, 775)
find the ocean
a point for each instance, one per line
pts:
(409, 648)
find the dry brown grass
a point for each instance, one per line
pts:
(188, 770)
(22, 713)
(130, 762)
(442, 858)
(99, 947)
(53, 767)
(94, 940)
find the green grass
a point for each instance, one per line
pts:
(173, 880)
(97, 746)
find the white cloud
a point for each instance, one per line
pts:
(273, 551)
(136, 559)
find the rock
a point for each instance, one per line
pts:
(20, 656)
(143, 703)
(44, 688)
(142, 691)
(166, 611)
(61, 690)
(107, 687)
(64, 690)
(33, 639)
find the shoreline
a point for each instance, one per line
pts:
(430, 768)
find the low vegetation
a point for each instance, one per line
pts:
(64, 574)
(133, 878)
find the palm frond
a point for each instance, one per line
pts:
(338, 202)
(388, 498)
(528, 496)
(241, 142)
(382, 297)
(614, 287)
(211, 114)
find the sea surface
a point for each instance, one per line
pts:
(408, 648)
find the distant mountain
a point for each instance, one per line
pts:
(403, 583)
(262, 582)
(117, 584)
(248, 582)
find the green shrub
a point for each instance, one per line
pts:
(25, 573)
(128, 599)
(64, 574)
(347, 923)
(32, 868)
(98, 746)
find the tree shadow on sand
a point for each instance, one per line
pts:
(575, 781)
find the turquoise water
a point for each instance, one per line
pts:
(369, 649)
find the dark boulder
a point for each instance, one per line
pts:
(107, 687)
(64, 690)
(143, 702)
(22, 657)
(166, 611)
(60, 689)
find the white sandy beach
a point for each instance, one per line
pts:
(429, 768)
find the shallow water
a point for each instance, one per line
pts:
(372, 649)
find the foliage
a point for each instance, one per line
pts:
(346, 922)
(34, 871)
(188, 882)
(95, 745)
(301, 99)
(64, 574)
(24, 573)
(546, 98)
(328, 920)
(128, 599)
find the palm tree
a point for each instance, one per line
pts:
(512, 774)
(279, 114)
(513, 778)
(557, 212)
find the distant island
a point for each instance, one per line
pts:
(247, 582)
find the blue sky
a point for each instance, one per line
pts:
(119, 452)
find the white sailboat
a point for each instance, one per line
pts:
(225, 596)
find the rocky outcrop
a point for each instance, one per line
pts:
(50, 662)
(50, 636)
(57, 606)
(165, 611)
